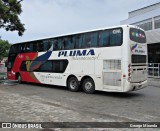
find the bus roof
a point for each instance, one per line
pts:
(69, 34)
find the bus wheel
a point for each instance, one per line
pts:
(19, 79)
(73, 84)
(88, 86)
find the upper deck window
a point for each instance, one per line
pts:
(116, 37)
(102, 38)
(112, 37)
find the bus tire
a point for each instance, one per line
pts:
(19, 78)
(88, 86)
(73, 84)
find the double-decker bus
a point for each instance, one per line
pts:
(112, 59)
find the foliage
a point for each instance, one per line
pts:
(9, 20)
(4, 47)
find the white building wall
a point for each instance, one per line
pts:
(144, 16)
(144, 10)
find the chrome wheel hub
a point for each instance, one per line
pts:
(88, 86)
(73, 84)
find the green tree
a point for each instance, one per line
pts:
(4, 47)
(9, 20)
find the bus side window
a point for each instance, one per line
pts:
(116, 37)
(77, 46)
(31, 47)
(27, 47)
(24, 47)
(69, 43)
(46, 67)
(41, 46)
(13, 49)
(45, 44)
(82, 41)
(63, 44)
(55, 44)
(59, 66)
(35, 46)
(63, 65)
(88, 40)
(16, 49)
(56, 66)
(91, 39)
(104, 38)
(20, 48)
(60, 43)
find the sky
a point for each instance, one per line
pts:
(49, 18)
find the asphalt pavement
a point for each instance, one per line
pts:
(154, 82)
(43, 103)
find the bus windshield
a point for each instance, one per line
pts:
(137, 35)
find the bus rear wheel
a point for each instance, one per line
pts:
(73, 84)
(88, 86)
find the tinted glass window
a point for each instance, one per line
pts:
(67, 43)
(137, 35)
(35, 46)
(116, 37)
(12, 49)
(113, 37)
(56, 46)
(11, 60)
(47, 66)
(60, 43)
(55, 66)
(72, 42)
(59, 66)
(28, 47)
(77, 45)
(31, 47)
(63, 65)
(82, 41)
(46, 45)
(21, 48)
(41, 46)
(104, 38)
(139, 58)
(91, 39)
(15, 49)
